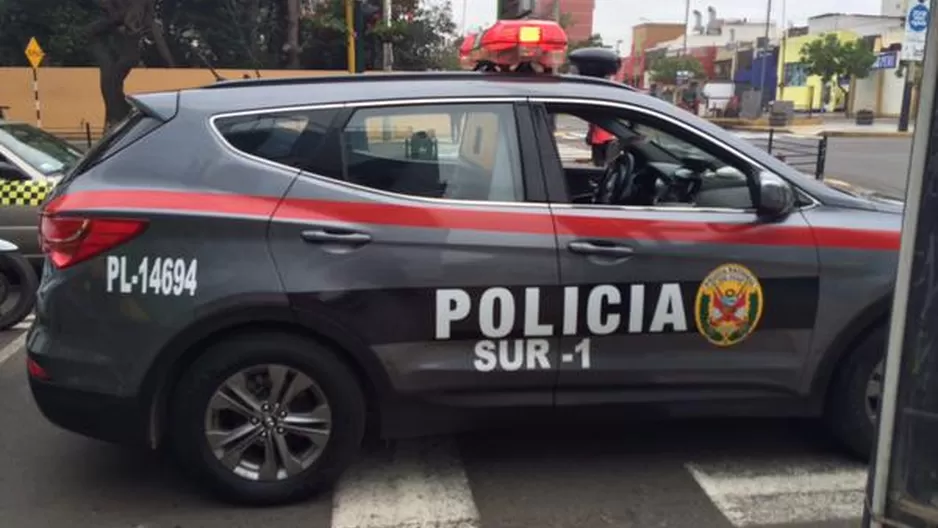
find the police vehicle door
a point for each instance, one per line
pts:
(429, 239)
(701, 295)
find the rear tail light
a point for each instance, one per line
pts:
(68, 240)
(35, 370)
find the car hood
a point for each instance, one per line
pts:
(875, 199)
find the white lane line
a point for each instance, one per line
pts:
(8, 351)
(420, 484)
(752, 493)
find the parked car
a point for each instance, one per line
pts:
(32, 161)
(18, 283)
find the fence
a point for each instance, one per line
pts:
(805, 153)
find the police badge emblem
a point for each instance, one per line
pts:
(729, 304)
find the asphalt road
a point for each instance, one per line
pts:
(694, 474)
(879, 164)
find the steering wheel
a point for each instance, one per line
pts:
(617, 179)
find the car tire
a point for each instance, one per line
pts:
(16, 272)
(848, 412)
(190, 408)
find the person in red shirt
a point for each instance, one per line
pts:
(600, 142)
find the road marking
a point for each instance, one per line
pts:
(11, 349)
(419, 484)
(783, 491)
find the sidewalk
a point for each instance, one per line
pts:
(841, 127)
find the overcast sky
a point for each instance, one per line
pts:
(614, 19)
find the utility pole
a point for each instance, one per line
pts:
(765, 49)
(781, 54)
(350, 28)
(686, 23)
(557, 11)
(388, 49)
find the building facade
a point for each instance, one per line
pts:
(894, 8)
(645, 37)
(578, 12)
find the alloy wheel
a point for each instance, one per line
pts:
(874, 391)
(268, 422)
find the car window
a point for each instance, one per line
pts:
(41, 150)
(291, 138)
(674, 167)
(461, 151)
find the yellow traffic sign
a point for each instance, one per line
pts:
(34, 52)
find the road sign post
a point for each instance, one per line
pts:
(34, 55)
(913, 49)
(903, 484)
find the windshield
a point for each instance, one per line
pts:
(41, 150)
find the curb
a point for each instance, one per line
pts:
(757, 128)
(871, 135)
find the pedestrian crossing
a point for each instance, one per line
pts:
(781, 491)
(25, 323)
(425, 483)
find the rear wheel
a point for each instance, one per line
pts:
(267, 418)
(18, 283)
(856, 395)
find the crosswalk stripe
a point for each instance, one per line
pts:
(418, 484)
(764, 492)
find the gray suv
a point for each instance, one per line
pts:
(260, 274)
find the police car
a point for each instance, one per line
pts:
(262, 273)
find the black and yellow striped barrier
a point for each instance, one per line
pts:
(27, 193)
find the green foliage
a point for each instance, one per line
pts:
(594, 41)
(665, 70)
(240, 34)
(830, 59)
(57, 25)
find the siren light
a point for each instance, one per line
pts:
(465, 51)
(517, 45)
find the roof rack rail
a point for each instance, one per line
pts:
(404, 76)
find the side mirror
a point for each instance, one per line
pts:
(776, 197)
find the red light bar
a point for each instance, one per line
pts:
(509, 43)
(465, 51)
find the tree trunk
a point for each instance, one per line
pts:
(293, 34)
(159, 38)
(114, 66)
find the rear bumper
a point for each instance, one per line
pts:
(103, 417)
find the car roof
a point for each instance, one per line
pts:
(238, 95)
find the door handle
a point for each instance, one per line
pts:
(335, 237)
(584, 247)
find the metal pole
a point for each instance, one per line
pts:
(36, 97)
(915, 192)
(465, 15)
(557, 11)
(906, 108)
(388, 50)
(686, 23)
(350, 28)
(765, 49)
(781, 55)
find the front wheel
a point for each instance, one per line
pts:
(18, 283)
(267, 418)
(856, 395)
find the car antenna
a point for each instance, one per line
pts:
(201, 55)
